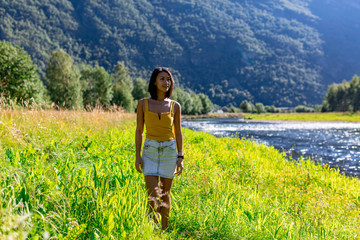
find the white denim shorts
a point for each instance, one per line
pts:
(159, 158)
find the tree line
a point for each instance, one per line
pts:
(72, 86)
(343, 97)
(247, 44)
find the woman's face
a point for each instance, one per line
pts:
(163, 82)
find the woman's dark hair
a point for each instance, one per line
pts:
(152, 88)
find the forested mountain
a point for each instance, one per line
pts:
(278, 52)
(339, 26)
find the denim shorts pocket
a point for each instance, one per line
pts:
(171, 146)
(146, 146)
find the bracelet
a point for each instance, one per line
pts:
(180, 156)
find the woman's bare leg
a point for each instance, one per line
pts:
(152, 185)
(165, 205)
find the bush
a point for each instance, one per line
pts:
(302, 108)
(18, 75)
(247, 107)
(260, 108)
(271, 109)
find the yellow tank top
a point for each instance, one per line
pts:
(159, 127)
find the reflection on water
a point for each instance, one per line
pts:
(334, 143)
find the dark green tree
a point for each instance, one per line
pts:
(330, 100)
(355, 93)
(63, 81)
(18, 74)
(260, 108)
(140, 89)
(123, 87)
(184, 99)
(271, 109)
(337, 98)
(245, 106)
(233, 109)
(98, 86)
(197, 107)
(302, 108)
(206, 103)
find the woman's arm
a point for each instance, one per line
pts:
(178, 138)
(139, 134)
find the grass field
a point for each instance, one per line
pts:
(70, 175)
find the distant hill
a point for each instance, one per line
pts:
(339, 28)
(278, 52)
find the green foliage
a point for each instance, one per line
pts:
(230, 50)
(75, 232)
(233, 109)
(184, 99)
(13, 218)
(18, 74)
(58, 176)
(246, 107)
(197, 106)
(206, 103)
(40, 26)
(194, 104)
(302, 108)
(63, 80)
(271, 109)
(140, 89)
(123, 87)
(343, 97)
(260, 108)
(97, 86)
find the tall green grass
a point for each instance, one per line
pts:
(69, 175)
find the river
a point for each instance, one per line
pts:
(332, 143)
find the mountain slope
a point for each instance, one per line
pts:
(339, 26)
(264, 51)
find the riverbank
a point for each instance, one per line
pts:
(64, 171)
(343, 117)
(214, 115)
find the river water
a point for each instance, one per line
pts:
(333, 143)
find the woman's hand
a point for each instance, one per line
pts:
(179, 166)
(139, 164)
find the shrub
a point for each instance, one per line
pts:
(18, 74)
(302, 108)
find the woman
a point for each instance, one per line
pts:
(162, 156)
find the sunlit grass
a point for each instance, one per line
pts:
(347, 117)
(63, 172)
